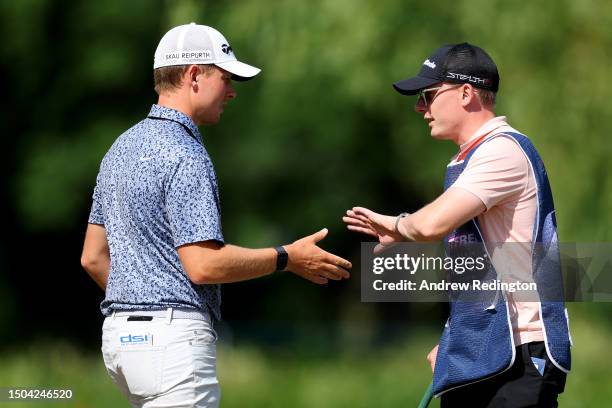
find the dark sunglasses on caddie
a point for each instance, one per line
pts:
(427, 96)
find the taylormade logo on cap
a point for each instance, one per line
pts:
(226, 48)
(199, 44)
(430, 64)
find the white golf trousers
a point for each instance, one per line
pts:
(162, 362)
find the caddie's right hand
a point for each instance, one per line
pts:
(310, 262)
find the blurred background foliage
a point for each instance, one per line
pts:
(318, 131)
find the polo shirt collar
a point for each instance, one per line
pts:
(162, 112)
(492, 127)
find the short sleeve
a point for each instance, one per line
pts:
(497, 171)
(96, 215)
(192, 202)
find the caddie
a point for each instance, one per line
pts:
(502, 350)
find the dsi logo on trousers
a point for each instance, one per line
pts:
(132, 339)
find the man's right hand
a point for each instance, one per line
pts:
(310, 262)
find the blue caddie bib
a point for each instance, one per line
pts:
(477, 341)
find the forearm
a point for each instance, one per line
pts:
(440, 217)
(227, 263)
(236, 264)
(422, 226)
(208, 262)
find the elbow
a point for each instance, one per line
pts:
(87, 262)
(206, 274)
(97, 267)
(201, 277)
(93, 265)
(204, 278)
(203, 263)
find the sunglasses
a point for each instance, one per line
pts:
(427, 96)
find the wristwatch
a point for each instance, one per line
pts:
(397, 220)
(281, 258)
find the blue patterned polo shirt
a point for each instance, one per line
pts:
(157, 190)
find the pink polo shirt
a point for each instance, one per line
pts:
(499, 174)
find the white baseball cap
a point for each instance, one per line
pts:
(199, 44)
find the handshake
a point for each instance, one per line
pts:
(209, 262)
(310, 262)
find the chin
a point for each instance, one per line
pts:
(436, 135)
(439, 135)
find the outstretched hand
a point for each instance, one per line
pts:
(368, 222)
(310, 262)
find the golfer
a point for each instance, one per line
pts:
(502, 351)
(154, 241)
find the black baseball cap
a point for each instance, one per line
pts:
(457, 63)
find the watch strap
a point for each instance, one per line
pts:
(397, 220)
(282, 257)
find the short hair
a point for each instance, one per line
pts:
(170, 78)
(487, 98)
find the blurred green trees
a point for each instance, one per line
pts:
(321, 129)
(318, 131)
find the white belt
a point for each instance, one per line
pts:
(169, 313)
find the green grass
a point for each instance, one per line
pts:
(391, 377)
(250, 377)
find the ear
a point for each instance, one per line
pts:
(191, 75)
(467, 94)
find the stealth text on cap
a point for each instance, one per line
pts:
(469, 78)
